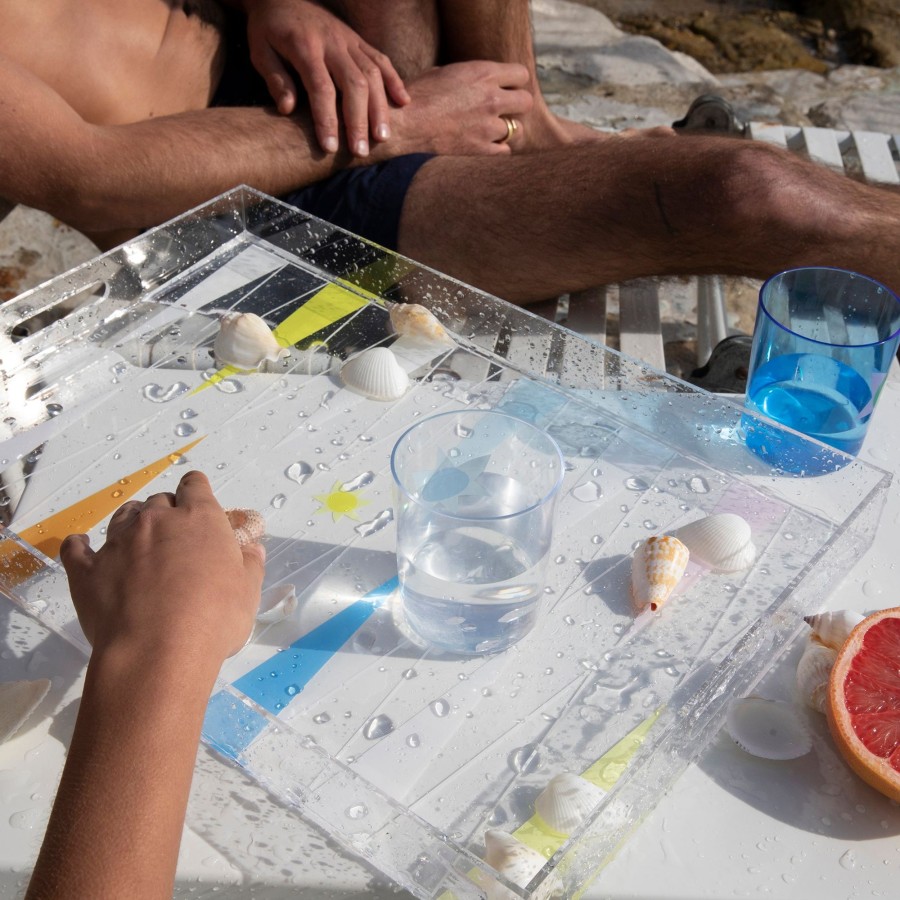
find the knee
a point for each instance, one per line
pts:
(766, 187)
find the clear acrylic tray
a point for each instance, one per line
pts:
(406, 756)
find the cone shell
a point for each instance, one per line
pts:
(246, 342)
(833, 628)
(813, 670)
(657, 566)
(566, 802)
(770, 729)
(518, 864)
(722, 541)
(18, 700)
(415, 321)
(248, 525)
(376, 374)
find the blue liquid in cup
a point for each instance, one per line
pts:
(823, 341)
(820, 397)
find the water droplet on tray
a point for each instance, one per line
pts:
(188, 413)
(298, 471)
(377, 727)
(229, 386)
(357, 811)
(183, 429)
(359, 482)
(698, 485)
(440, 707)
(278, 501)
(321, 718)
(382, 520)
(633, 483)
(159, 394)
(588, 492)
(413, 741)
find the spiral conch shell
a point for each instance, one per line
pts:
(246, 342)
(833, 628)
(721, 541)
(566, 802)
(375, 373)
(247, 524)
(518, 864)
(657, 566)
(415, 321)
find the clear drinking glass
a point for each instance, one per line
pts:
(822, 345)
(475, 497)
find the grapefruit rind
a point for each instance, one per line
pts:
(866, 665)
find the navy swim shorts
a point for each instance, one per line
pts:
(366, 200)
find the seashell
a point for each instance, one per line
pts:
(567, 800)
(813, 670)
(376, 374)
(18, 700)
(518, 864)
(770, 729)
(248, 525)
(276, 604)
(246, 342)
(833, 628)
(415, 321)
(722, 541)
(657, 566)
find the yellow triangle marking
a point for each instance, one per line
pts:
(325, 308)
(604, 773)
(47, 536)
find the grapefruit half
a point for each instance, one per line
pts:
(864, 701)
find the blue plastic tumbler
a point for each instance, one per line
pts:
(822, 345)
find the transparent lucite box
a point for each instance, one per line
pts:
(402, 755)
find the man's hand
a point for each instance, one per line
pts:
(170, 577)
(330, 58)
(456, 110)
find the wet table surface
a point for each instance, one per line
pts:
(732, 824)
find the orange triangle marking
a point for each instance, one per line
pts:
(47, 535)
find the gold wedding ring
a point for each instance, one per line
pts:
(512, 126)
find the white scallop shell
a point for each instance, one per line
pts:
(415, 321)
(18, 700)
(518, 864)
(813, 670)
(376, 374)
(246, 342)
(656, 568)
(723, 541)
(833, 628)
(566, 802)
(771, 729)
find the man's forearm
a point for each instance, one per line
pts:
(135, 176)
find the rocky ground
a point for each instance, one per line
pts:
(594, 71)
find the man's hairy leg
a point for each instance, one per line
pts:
(405, 30)
(531, 226)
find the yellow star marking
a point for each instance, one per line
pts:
(340, 503)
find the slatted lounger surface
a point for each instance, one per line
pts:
(874, 155)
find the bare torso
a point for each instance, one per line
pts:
(118, 61)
